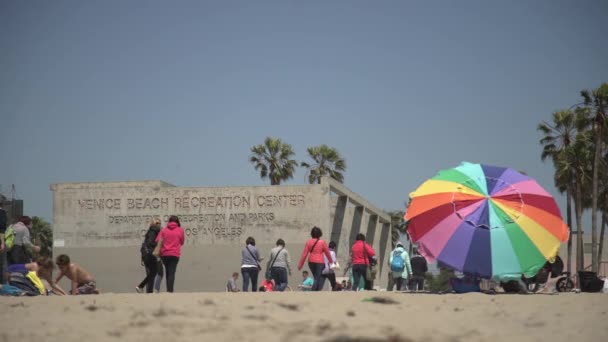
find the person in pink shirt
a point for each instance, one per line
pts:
(314, 249)
(360, 253)
(172, 237)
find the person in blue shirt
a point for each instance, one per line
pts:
(307, 283)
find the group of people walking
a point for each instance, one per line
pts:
(162, 247)
(406, 273)
(321, 258)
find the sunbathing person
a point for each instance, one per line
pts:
(82, 281)
(42, 268)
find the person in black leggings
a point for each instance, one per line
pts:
(172, 237)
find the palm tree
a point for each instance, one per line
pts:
(576, 162)
(327, 162)
(42, 235)
(398, 226)
(557, 137)
(598, 100)
(273, 160)
(603, 201)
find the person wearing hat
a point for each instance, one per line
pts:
(400, 266)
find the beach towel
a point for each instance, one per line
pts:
(9, 290)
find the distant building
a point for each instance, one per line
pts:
(13, 208)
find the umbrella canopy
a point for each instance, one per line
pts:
(483, 220)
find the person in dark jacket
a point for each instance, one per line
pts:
(419, 269)
(149, 261)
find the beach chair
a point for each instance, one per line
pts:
(589, 282)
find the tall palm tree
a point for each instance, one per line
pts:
(398, 226)
(327, 162)
(273, 160)
(598, 100)
(557, 137)
(603, 206)
(576, 162)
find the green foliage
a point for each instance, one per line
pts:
(273, 160)
(576, 141)
(398, 226)
(42, 235)
(440, 282)
(326, 162)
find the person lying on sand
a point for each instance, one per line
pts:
(43, 268)
(82, 281)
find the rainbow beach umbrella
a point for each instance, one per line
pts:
(489, 221)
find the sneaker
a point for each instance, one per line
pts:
(139, 289)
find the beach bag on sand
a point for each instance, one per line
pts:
(159, 246)
(33, 277)
(9, 290)
(19, 280)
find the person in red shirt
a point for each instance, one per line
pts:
(314, 249)
(171, 239)
(267, 285)
(360, 252)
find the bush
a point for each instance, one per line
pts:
(440, 282)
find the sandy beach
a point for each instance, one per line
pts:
(298, 316)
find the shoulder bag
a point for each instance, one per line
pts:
(254, 258)
(159, 246)
(268, 273)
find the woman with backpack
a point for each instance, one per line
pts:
(361, 253)
(149, 260)
(401, 268)
(314, 249)
(21, 244)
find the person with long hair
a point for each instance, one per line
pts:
(171, 239)
(361, 253)
(149, 261)
(314, 249)
(328, 273)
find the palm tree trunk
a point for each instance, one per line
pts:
(596, 165)
(600, 249)
(579, 229)
(569, 222)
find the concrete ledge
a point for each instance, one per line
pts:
(356, 199)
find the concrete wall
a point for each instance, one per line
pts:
(101, 226)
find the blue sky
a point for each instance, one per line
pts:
(180, 91)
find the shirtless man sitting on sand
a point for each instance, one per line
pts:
(82, 281)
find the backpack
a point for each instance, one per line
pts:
(398, 264)
(20, 281)
(9, 237)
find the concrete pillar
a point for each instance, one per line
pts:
(338, 221)
(384, 250)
